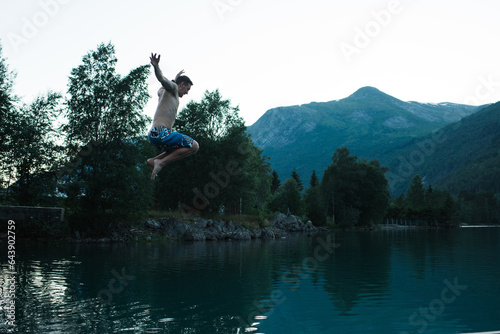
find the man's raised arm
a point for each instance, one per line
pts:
(167, 84)
(178, 75)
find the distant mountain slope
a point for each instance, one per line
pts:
(461, 156)
(369, 122)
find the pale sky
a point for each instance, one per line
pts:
(263, 54)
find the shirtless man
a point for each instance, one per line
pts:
(176, 146)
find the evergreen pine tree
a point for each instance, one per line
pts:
(314, 179)
(296, 177)
(275, 183)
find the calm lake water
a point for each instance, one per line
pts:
(390, 281)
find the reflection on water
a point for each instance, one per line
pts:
(394, 281)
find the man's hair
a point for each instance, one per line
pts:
(184, 79)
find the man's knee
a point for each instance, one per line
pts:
(195, 146)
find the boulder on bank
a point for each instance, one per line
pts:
(201, 229)
(292, 224)
(194, 235)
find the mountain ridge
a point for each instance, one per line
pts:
(368, 122)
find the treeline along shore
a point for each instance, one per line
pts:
(86, 151)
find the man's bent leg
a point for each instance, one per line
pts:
(178, 154)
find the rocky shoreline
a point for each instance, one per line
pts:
(200, 229)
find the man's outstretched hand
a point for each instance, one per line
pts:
(155, 60)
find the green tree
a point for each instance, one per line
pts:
(227, 171)
(275, 183)
(105, 117)
(313, 202)
(7, 113)
(354, 192)
(339, 188)
(253, 183)
(212, 118)
(447, 209)
(313, 181)
(415, 196)
(478, 208)
(373, 189)
(103, 106)
(296, 176)
(288, 198)
(35, 134)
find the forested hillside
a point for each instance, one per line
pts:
(369, 123)
(461, 156)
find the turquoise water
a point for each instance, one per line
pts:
(392, 281)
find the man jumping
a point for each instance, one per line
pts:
(176, 146)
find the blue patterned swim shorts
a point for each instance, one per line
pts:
(168, 140)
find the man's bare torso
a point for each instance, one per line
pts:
(165, 114)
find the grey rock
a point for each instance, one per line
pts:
(201, 229)
(279, 218)
(268, 233)
(279, 233)
(310, 227)
(217, 228)
(175, 229)
(219, 225)
(194, 235)
(200, 222)
(256, 234)
(230, 226)
(241, 235)
(291, 220)
(152, 223)
(210, 235)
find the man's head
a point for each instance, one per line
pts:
(184, 84)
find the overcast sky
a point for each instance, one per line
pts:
(262, 54)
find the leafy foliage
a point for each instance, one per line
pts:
(227, 173)
(288, 198)
(297, 179)
(105, 114)
(415, 196)
(275, 183)
(27, 143)
(213, 118)
(428, 205)
(354, 192)
(313, 201)
(478, 208)
(313, 182)
(110, 186)
(103, 106)
(35, 149)
(7, 115)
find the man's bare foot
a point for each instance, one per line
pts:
(151, 163)
(157, 168)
